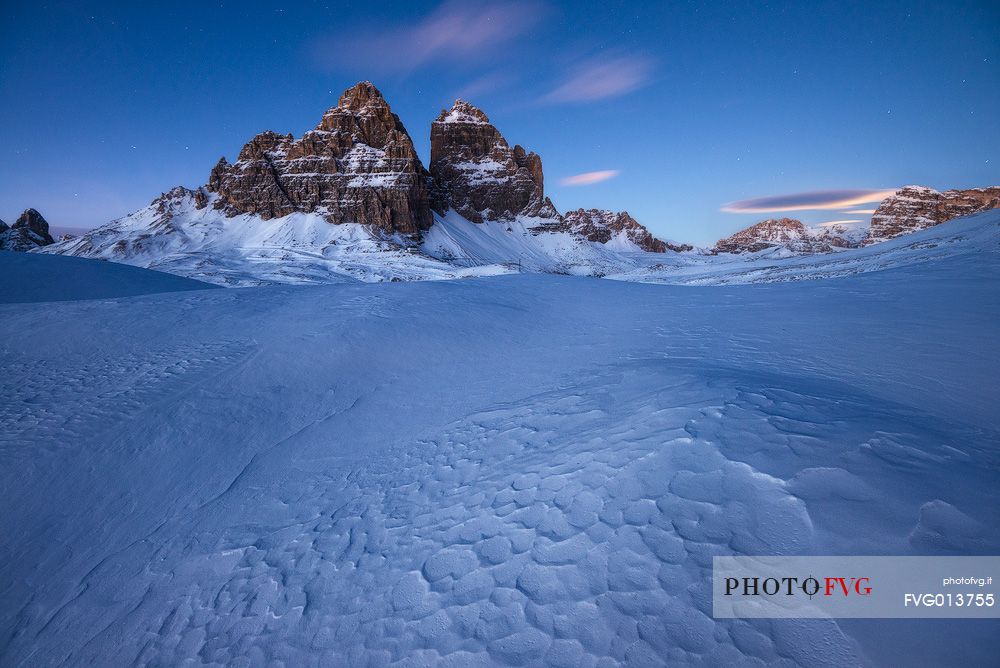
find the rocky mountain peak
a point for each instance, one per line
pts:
(765, 234)
(914, 208)
(476, 172)
(31, 230)
(30, 219)
(362, 95)
(357, 166)
(603, 226)
(462, 112)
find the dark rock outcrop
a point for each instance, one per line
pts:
(476, 173)
(916, 208)
(357, 166)
(30, 231)
(601, 226)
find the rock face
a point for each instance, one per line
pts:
(357, 166)
(916, 208)
(475, 172)
(29, 231)
(765, 234)
(601, 226)
(791, 235)
(351, 198)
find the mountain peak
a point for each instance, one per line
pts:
(478, 174)
(32, 220)
(462, 112)
(914, 208)
(789, 235)
(29, 231)
(604, 226)
(357, 166)
(360, 95)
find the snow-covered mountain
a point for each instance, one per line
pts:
(616, 229)
(184, 232)
(357, 166)
(792, 236)
(909, 209)
(350, 200)
(961, 237)
(916, 208)
(29, 231)
(478, 175)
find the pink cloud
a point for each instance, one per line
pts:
(821, 199)
(454, 31)
(865, 211)
(599, 79)
(589, 178)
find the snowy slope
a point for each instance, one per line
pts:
(514, 470)
(524, 241)
(179, 238)
(31, 277)
(174, 235)
(959, 238)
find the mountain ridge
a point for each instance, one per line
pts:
(351, 200)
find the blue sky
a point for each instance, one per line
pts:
(687, 107)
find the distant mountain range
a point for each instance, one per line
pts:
(909, 209)
(351, 200)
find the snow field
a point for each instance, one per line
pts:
(523, 470)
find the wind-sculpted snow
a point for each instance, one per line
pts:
(522, 470)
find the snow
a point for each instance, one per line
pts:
(526, 469)
(507, 243)
(458, 114)
(246, 250)
(303, 248)
(485, 170)
(32, 277)
(960, 238)
(362, 157)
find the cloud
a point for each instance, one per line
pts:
(820, 199)
(598, 79)
(589, 178)
(454, 32)
(864, 211)
(484, 85)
